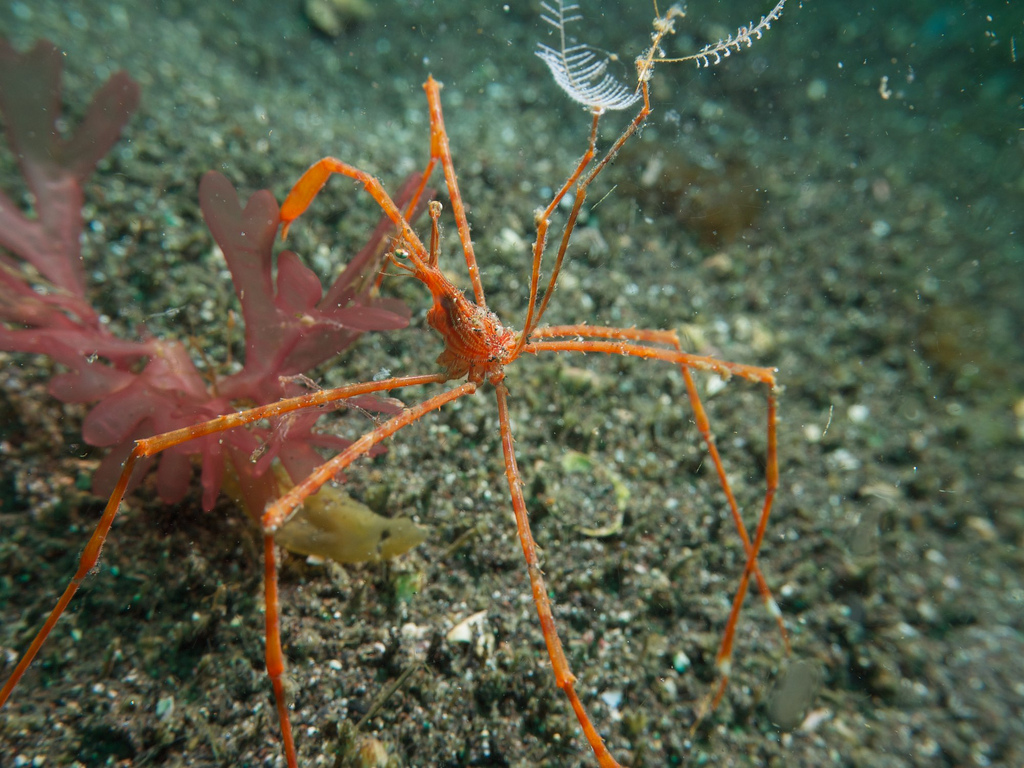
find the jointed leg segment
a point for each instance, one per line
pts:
(564, 677)
(633, 342)
(313, 180)
(441, 149)
(533, 319)
(154, 445)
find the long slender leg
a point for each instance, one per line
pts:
(151, 446)
(154, 445)
(622, 341)
(274, 653)
(564, 677)
(544, 221)
(278, 513)
(723, 660)
(313, 180)
(581, 194)
(440, 148)
(87, 562)
(723, 368)
(771, 484)
(758, 375)
(410, 199)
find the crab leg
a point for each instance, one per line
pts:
(274, 653)
(154, 445)
(623, 342)
(278, 513)
(723, 659)
(581, 194)
(312, 181)
(440, 148)
(564, 677)
(723, 368)
(544, 221)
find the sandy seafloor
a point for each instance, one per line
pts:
(776, 210)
